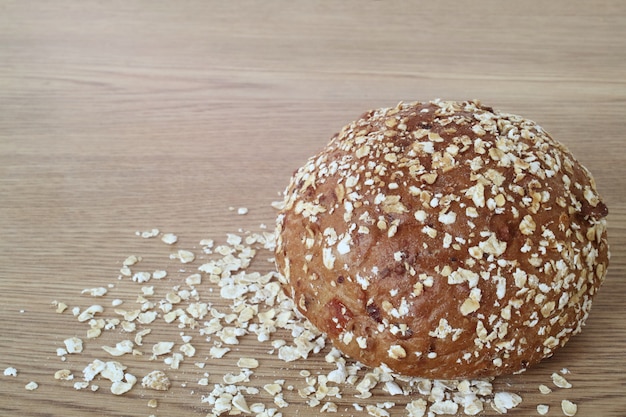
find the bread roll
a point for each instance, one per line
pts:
(443, 240)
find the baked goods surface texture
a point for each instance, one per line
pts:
(443, 240)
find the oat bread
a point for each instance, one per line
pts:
(443, 240)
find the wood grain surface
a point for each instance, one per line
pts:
(123, 116)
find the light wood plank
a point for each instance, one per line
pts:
(124, 116)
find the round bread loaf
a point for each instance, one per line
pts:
(443, 240)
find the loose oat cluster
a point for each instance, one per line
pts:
(443, 240)
(217, 303)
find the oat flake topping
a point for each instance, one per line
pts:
(443, 211)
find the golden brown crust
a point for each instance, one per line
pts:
(444, 240)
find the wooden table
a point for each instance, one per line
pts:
(117, 117)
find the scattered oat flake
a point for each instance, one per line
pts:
(93, 369)
(78, 385)
(218, 352)
(113, 371)
(162, 348)
(289, 353)
(376, 411)
(122, 387)
(542, 409)
(131, 260)
(31, 386)
(95, 292)
(257, 408)
(278, 205)
(240, 403)
(159, 274)
(10, 371)
(188, 350)
(141, 277)
(184, 256)
(560, 381)
(242, 210)
(156, 380)
(504, 401)
(89, 312)
(147, 317)
(174, 360)
(193, 280)
(128, 326)
(243, 376)
(417, 408)
(73, 345)
(94, 332)
(139, 336)
(64, 375)
(569, 408)
(279, 400)
(150, 233)
(249, 363)
(273, 389)
(329, 407)
(60, 306)
(121, 348)
(169, 238)
(544, 389)
(444, 407)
